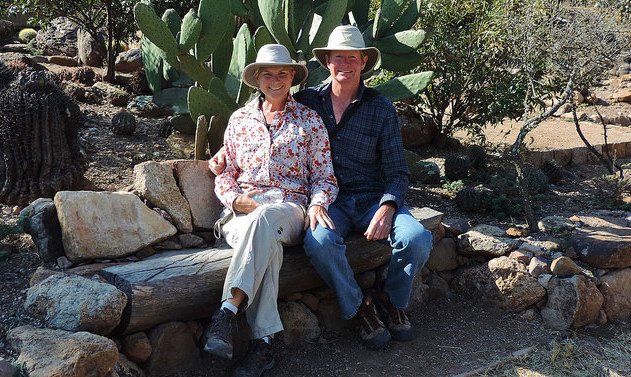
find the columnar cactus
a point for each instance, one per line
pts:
(39, 139)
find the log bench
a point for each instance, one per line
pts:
(187, 284)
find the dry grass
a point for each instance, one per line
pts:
(571, 357)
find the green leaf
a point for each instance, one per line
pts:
(332, 17)
(317, 76)
(390, 12)
(173, 21)
(261, 38)
(217, 87)
(222, 55)
(201, 102)
(360, 13)
(401, 43)
(407, 19)
(296, 12)
(405, 87)
(400, 63)
(216, 18)
(190, 31)
(154, 28)
(198, 71)
(273, 15)
(152, 60)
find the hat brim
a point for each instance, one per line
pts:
(250, 80)
(372, 52)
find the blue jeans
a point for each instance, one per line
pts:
(411, 244)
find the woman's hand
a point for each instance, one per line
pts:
(244, 202)
(317, 214)
(217, 163)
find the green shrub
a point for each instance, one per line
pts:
(26, 35)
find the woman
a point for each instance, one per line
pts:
(278, 181)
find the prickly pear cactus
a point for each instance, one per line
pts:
(39, 139)
(457, 166)
(537, 180)
(471, 200)
(123, 124)
(553, 170)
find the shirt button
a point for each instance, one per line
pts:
(338, 138)
(336, 158)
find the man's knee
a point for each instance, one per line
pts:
(320, 241)
(418, 241)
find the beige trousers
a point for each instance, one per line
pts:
(257, 239)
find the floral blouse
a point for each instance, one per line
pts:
(293, 155)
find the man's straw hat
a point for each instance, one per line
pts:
(347, 38)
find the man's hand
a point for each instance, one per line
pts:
(381, 223)
(318, 214)
(244, 202)
(217, 163)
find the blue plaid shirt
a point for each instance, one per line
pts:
(366, 146)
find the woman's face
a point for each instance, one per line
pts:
(275, 82)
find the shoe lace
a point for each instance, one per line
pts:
(368, 318)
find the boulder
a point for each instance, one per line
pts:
(414, 130)
(538, 266)
(136, 347)
(616, 289)
(485, 240)
(15, 47)
(501, 281)
(66, 61)
(6, 368)
(197, 184)
(88, 50)
(155, 182)
(555, 224)
(43, 226)
(329, 315)
(129, 61)
(126, 368)
(572, 302)
(174, 349)
(107, 225)
(299, 323)
(59, 38)
(74, 303)
(443, 256)
(438, 287)
(622, 96)
(7, 29)
(113, 94)
(521, 256)
(605, 246)
(188, 240)
(60, 353)
(563, 109)
(564, 267)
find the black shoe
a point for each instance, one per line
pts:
(257, 361)
(218, 335)
(373, 332)
(397, 321)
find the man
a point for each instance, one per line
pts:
(372, 176)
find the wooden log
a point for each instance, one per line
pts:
(187, 284)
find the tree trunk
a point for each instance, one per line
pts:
(111, 51)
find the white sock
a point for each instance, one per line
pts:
(267, 339)
(229, 306)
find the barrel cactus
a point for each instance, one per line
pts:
(537, 180)
(40, 145)
(471, 200)
(27, 34)
(477, 154)
(553, 170)
(123, 123)
(457, 166)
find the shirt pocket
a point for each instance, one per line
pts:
(362, 148)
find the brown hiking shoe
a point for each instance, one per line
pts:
(397, 321)
(373, 332)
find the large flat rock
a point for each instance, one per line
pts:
(604, 243)
(107, 225)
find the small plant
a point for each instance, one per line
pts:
(553, 170)
(27, 35)
(454, 186)
(611, 191)
(33, 48)
(477, 154)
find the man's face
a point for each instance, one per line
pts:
(346, 66)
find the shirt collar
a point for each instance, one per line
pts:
(290, 105)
